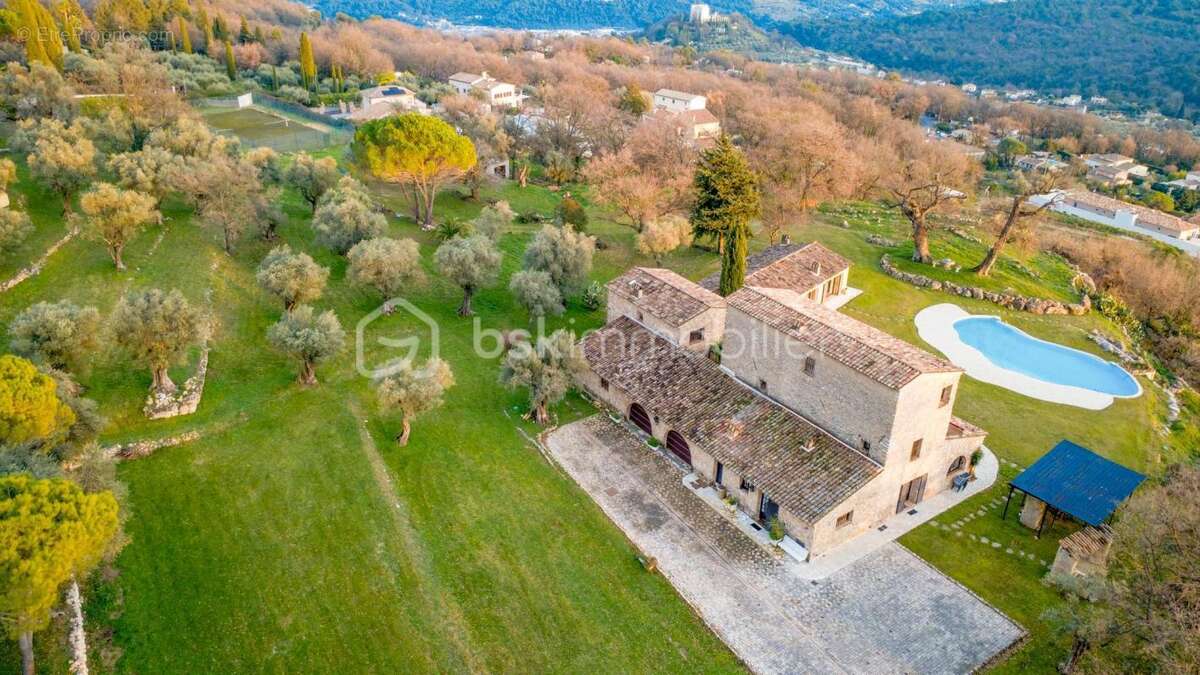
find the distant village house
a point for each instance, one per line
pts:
(1098, 208)
(494, 92)
(1113, 169)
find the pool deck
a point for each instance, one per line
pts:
(935, 325)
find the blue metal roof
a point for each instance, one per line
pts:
(1079, 482)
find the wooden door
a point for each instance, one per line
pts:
(640, 418)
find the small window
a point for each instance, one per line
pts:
(604, 384)
(845, 519)
(696, 336)
(946, 392)
(762, 385)
(866, 446)
(746, 486)
(916, 449)
(810, 365)
(641, 317)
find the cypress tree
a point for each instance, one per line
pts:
(308, 64)
(185, 40)
(35, 50)
(69, 14)
(244, 34)
(727, 198)
(205, 25)
(230, 62)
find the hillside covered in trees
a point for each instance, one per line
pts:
(572, 14)
(1140, 51)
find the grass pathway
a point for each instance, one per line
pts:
(450, 614)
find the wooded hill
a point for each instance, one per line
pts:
(1141, 51)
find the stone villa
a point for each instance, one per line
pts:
(812, 417)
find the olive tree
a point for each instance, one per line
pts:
(63, 159)
(347, 216)
(547, 370)
(15, 227)
(412, 391)
(535, 291)
(148, 171)
(157, 328)
(564, 254)
(293, 277)
(663, 235)
(310, 337)
(191, 138)
(471, 263)
(114, 216)
(387, 265)
(312, 177)
(493, 220)
(225, 191)
(58, 334)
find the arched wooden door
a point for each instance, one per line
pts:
(679, 446)
(639, 416)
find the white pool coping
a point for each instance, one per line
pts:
(935, 325)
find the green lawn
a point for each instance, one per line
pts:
(286, 541)
(272, 545)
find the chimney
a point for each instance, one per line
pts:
(484, 75)
(816, 267)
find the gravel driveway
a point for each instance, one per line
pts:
(889, 612)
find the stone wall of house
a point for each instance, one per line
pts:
(1005, 299)
(711, 321)
(186, 398)
(846, 403)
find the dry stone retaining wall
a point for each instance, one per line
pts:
(184, 401)
(1006, 299)
(36, 267)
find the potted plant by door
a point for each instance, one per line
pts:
(775, 529)
(976, 457)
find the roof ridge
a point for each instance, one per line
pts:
(826, 312)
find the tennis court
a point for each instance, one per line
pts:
(258, 127)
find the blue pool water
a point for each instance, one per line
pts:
(1013, 349)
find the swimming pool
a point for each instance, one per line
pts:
(1012, 349)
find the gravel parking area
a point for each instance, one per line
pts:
(888, 612)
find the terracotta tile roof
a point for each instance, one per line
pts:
(802, 467)
(868, 350)
(960, 428)
(695, 117)
(664, 294)
(796, 267)
(1144, 214)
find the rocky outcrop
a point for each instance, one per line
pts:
(880, 240)
(184, 400)
(1007, 299)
